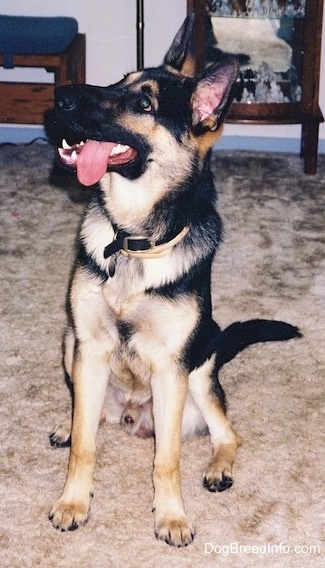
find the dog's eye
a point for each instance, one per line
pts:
(145, 104)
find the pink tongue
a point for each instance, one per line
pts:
(92, 161)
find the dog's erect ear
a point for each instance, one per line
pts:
(180, 55)
(212, 93)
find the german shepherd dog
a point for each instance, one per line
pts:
(141, 328)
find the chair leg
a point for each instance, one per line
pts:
(72, 64)
(79, 59)
(76, 60)
(61, 75)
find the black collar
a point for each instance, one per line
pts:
(142, 247)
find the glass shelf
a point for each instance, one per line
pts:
(267, 42)
(256, 9)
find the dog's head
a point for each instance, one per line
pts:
(156, 116)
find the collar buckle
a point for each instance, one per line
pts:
(136, 243)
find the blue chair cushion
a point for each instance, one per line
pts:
(34, 36)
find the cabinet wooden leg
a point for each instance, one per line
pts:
(309, 145)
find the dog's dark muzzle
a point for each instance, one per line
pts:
(84, 107)
(87, 113)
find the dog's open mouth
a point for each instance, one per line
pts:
(92, 158)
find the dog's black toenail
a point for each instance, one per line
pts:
(219, 486)
(225, 483)
(56, 443)
(213, 487)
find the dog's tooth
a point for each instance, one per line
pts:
(115, 149)
(74, 155)
(65, 145)
(119, 149)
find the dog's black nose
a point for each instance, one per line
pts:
(66, 104)
(65, 99)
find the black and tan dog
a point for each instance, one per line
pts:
(141, 328)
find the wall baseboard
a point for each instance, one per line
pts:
(264, 144)
(20, 134)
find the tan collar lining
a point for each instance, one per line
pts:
(156, 251)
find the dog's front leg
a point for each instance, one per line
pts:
(171, 523)
(89, 380)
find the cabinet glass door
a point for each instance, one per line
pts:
(266, 36)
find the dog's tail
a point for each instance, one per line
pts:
(239, 335)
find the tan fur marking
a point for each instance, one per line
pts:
(142, 86)
(189, 66)
(205, 141)
(132, 77)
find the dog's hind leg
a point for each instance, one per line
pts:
(61, 436)
(90, 374)
(171, 523)
(218, 475)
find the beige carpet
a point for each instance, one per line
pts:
(272, 264)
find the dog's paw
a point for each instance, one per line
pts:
(215, 483)
(176, 532)
(68, 516)
(218, 475)
(61, 437)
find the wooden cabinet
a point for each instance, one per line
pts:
(280, 61)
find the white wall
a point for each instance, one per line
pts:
(110, 27)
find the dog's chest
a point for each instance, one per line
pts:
(152, 332)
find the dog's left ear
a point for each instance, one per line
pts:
(181, 55)
(212, 92)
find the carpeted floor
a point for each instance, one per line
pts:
(272, 264)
